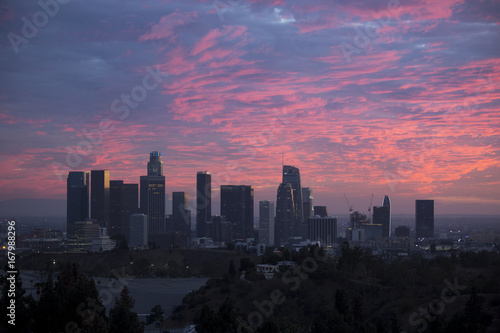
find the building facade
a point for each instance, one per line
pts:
(203, 202)
(99, 196)
(153, 194)
(424, 218)
(266, 222)
(237, 206)
(323, 229)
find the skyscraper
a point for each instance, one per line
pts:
(291, 175)
(266, 222)
(123, 203)
(236, 204)
(203, 202)
(77, 200)
(387, 203)
(77, 196)
(307, 202)
(285, 214)
(424, 218)
(323, 229)
(181, 215)
(382, 215)
(99, 197)
(153, 194)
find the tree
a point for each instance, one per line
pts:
(122, 318)
(157, 315)
(232, 270)
(23, 304)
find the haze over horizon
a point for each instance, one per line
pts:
(387, 97)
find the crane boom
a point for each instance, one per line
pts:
(348, 204)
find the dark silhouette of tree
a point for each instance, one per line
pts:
(23, 304)
(122, 318)
(157, 315)
(246, 264)
(232, 270)
(342, 302)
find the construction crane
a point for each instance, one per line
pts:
(348, 204)
(370, 208)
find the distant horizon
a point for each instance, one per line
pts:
(256, 203)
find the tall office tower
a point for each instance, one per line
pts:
(382, 215)
(138, 230)
(402, 231)
(424, 218)
(181, 215)
(203, 202)
(320, 211)
(387, 203)
(285, 214)
(291, 175)
(123, 203)
(266, 222)
(99, 196)
(323, 229)
(307, 204)
(220, 230)
(77, 202)
(153, 194)
(236, 204)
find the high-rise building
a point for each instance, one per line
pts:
(266, 222)
(203, 202)
(220, 230)
(382, 215)
(402, 231)
(123, 203)
(424, 218)
(236, 204)
(285, 214)
(291, 175)
(99, 196)
(138, 230)
(153, 194)
(307, 203)
(77, 199)
(320, 211)
(181, 215)
(387, 203)
(323, 229)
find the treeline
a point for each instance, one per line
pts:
(354, 292)
(70, 303)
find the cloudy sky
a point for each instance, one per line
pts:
(385, 97)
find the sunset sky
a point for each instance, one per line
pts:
(386, 97)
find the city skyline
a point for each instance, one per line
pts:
(389, 97)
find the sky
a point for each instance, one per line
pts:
(397, 98)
